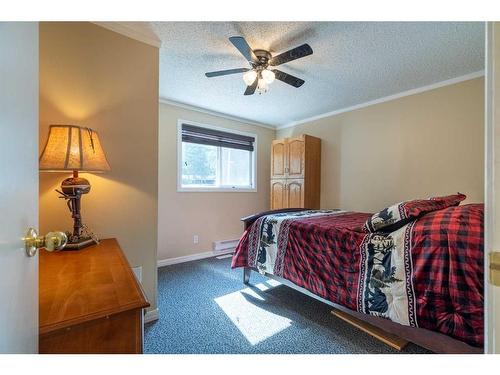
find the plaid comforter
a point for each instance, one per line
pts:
(441, 259)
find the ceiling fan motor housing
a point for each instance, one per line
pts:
(263, 56)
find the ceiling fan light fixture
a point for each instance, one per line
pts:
(268, 76)
(262, 86)
(249, 77)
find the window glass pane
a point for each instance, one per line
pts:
(199, 165)
(236, 166)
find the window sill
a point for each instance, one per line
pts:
(215, 190)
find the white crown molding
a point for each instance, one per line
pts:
(189, 258)
(214, 113)
(132, 32)
(384, 99)
(418, 90)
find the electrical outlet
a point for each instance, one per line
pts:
(195, 238)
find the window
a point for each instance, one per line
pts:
(214, 159)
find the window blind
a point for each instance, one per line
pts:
(212, 137)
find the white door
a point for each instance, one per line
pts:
(18, 185)
(492, 191)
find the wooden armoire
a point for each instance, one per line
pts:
(296, 172)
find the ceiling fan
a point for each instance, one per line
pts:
(259, 75)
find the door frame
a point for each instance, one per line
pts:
(489, 196)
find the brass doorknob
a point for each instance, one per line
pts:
(52, 241)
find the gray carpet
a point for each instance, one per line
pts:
(205, 308)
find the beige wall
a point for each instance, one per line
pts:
(214, 215)
(416, 146)
(94, 77)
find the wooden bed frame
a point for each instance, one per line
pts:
(434, 341)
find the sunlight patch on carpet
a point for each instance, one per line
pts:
(253, 321)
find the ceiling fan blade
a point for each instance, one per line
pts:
(226, 72)
(293, 54)
(287, 78)
(241, 45)
(251, 89)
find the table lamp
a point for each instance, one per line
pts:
(77, 149)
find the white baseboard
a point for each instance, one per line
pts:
(151, 315)
(189, 258)
(219, 246)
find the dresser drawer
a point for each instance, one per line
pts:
(119, 333)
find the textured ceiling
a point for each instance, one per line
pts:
(353, 62)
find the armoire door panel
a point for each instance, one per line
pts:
(278, 159)
(278, 194)
(295, 156)
(295, 193)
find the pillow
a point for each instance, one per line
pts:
(394, 217)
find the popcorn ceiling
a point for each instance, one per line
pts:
(353, 62)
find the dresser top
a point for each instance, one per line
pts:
(76, 286)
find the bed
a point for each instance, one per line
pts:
(422, 281)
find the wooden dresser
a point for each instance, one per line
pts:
(90, 302)
(296, 172)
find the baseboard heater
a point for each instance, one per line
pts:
(224, 246)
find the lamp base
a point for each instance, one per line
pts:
(80, 243)
(72, 185)
(72, 190)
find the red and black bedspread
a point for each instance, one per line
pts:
(432, 277)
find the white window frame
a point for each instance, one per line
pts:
(215, 189)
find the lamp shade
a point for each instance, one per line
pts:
(73, 148)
